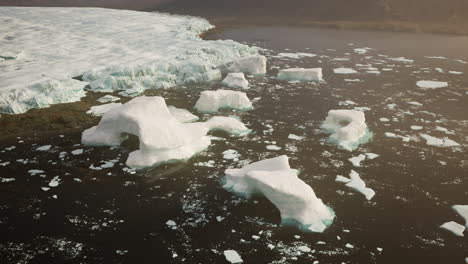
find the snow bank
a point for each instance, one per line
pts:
(251, 65)
(163, 138)
(112, 50)
(99, 110)
(431, 84)
(212, 101)
(356, 183)
(236, 80)
(348, 128)
(301, 74)
(274, 179)
(439, 142)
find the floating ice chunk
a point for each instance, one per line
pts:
(231, 154)
(435, 57)
(171, 223)
(431, 84)
(348, 245)
(455, 72)
(251, 65)
(77, 152)
(352, 80)
(439, 142)
(232, 256)
(227, 124)
(384, 119)
(7, 180)
(414, 103)
(295, 200)
(108, 99)
(295, 137)
(348, 128)
(236, 80)
(44, 148)
(393, 135)
(344, 71)
(373, 72)
(304, 249)
(361, 50)
(401, 59)
(356, 183)
(235, 178)
(54, 182)
(461, 61)
(371, 156)
(99, 110)
(462, 210)
(182, 115)
(416, 127)
(301, 74)
(356, 161)
(212, 101)
(297, 55)
(279, 183)
(35, 172)
(273, 147)
(453, 227)
(126, 54)
(162, 137)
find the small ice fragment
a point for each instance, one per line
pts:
(301, 74)
(171, 223)
(273, 147)
(431, 84)
(356, 161)
(44, 148)
(462, 210)
(439, 142)
(255, 237)
(416, 127)
(35, 172)
(108, 99)
(77, 152)
(415, 103)
(232, 256)
(402, 59)
(231, 154)
(99, 110)
(455, 72)
(54, 182)
(361, 50)
(454, 228)
(371, 156)
(344, 71)
(297, 55)
(236, 81)
(356, 183)
(348, 245)
(304, 249)
(7, 180)
(379, 249)
(383, 119)
(270, 246)
(295, 137)
(45, 189)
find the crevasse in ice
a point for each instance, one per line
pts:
(108, 49)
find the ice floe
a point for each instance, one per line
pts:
(236, 80)
(297, 55)
(301, 74)
(462, 210)
(255, 65)
(453, 227)
(356, 183)
(356, 161)
(162, 137)
(99, 110)
(401, 59)
(431, 84)
(212, 101)
(274, 179)
(348, 128)
(113, 50)
(439, 142)
(44, 148)
(232, 256)
(344, 71)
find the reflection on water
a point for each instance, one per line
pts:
(117, 216)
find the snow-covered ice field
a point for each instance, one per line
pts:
(66, 202)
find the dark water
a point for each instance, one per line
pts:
(120, 218)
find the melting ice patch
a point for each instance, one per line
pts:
(348, 128)
(162, 137)
(112, 50)
(274, 179)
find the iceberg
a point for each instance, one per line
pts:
(348, 128)
(163, 138)
(236, 80)
(301, 74)
(112, 50)
(274, 179)
(212, 101)
(431, 84)
(255, 65)
(356, 183)
(454, 228)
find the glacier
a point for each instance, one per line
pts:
(56, 54)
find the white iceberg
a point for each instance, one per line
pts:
(344, 71)
(439, 142)
(431, 84)
(162, 137)
(236, 80)
(454, 227)
(99, 110)
(295, 200)
(212, 101)
(356, 183)
(348, 128)
(232, 256)
(112, 50)
(182, 115)
(255, 65)
(108, 99)
(301, 74)
(228, 124)
(462, 210)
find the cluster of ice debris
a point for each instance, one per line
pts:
(132, 51)
(280, 184)
(163, 135)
